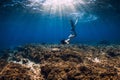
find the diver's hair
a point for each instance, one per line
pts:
(63, 42)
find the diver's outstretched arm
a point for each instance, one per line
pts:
(76, 21)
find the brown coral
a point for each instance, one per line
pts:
(70, 62)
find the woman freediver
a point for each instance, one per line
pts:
(73, 32)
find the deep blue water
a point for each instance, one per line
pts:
(19, 27)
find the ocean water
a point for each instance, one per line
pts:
(25, 22)
(31, 32)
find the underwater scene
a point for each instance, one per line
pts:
(59, 39)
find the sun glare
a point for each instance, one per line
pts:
(57, 6)
(70, 8)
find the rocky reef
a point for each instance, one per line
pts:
(60, 62)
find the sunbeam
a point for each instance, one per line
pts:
(61, 7)
(56, 6)
(68, 8)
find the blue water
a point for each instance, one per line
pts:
(19, 27)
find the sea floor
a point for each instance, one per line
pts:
(60, 62)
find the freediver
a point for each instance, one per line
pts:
(73, 32)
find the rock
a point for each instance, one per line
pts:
(55, 49)
(61, 62)
(15, 71)
(24, 61)
(96, 60)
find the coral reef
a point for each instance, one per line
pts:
(61, 62)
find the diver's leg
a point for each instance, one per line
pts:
(72, 35)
